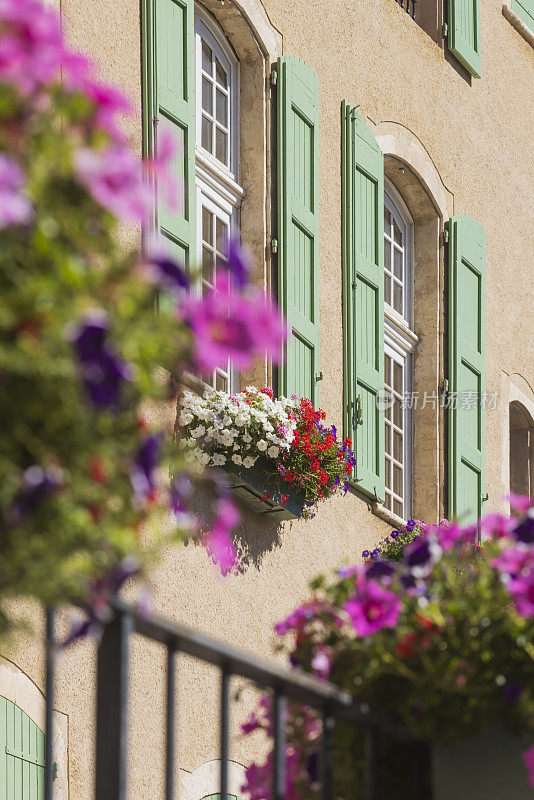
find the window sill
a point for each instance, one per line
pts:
(388, 516)
(518, 24)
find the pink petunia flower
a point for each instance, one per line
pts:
(114, 179)
(15, 208)
(372, 607)
(31, 48)
(230, 325)
(520, 502)
(218, 541)
(528, 760)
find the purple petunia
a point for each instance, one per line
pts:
(15, 208)
(394, 534)
(237, 263)
(142, 472)
(379, 569)
(420, 556)
(37, 484)
(524, 532)
(103, 372)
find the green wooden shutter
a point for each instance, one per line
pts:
(467, 294)
(298, 224)
(525, 11)
(363, 298)
(463, 37)
(21, 755)
(169, 106)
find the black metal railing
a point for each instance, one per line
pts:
(112, 684)
(409, 6)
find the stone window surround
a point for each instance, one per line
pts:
(514, 389)
(518, 24)
(410, 168)
(17, 687)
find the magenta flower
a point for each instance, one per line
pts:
(497, 525)
(321, 662)
(114, 179)
(520, 502)
(31, 49)
(528, 760)
(218, 541)
(522, 590)
(229, 325)
(15, 209)
(372, 607)
(109, 102)
(449, 534)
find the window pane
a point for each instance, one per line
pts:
(397, 447)
(397, 480)
(397, 298)
(207, 58)
(220, 146)
(387, 256)
(387, 222)
(207, 95)
(221, 235)
(387, 501)
(397, 377)
(220, 72)
(397, 233)
(387, 289)
(221, 383)
(388, 473)
(388, 439)
(388, 404)
(387, 369)
(397, 509)
(207, 265)
(207, 226)
(221, 108)
(397, 263)
(397, 412)
(207, 135)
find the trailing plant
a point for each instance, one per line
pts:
(441, 642)
(284, 436)
(84, 469)
(393, 546)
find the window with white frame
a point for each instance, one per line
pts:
(400, 341)
(218, 193)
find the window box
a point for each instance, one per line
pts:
(249, 486)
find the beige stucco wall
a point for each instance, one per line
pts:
(477, 134)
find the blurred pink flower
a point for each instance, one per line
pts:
(230, 325)
(15, 209)
(520, 502)
(218, 541)
(448, 534)
(259, 782)
(321, 662)
(516, 565)
(31, 48)
(109, 102)
(528, 760)
(372, 607)
(114, 178)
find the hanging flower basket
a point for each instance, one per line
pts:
(250, 488)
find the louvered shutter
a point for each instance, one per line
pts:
(467, 291)
(525, 11)
(298, 224)
(363, 298)
(463, 37)
(21, 755)
(169, 107)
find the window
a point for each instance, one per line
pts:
(218, 194)
(399, 343)
(521, 450)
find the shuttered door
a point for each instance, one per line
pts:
(363, 303)
(169, 108)
(463, 36)
(298, 224)
(467, 291)
(525, 11)
(21, 755)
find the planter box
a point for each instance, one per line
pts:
(488, 767)
(248, 486)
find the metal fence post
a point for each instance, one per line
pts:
(112, 709)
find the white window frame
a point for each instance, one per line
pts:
(217, 186)
(399, 339)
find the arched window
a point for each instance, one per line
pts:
(218, 193)
(398, 348)
(521, 450)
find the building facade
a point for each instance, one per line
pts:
(377, 160)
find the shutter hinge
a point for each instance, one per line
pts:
(274, 76)
(359, 415)
(444, 30)
(445, 235)
(155, 122)
(54, 770)
(354, 284)
(485, 498)
(318, 376)
(274, 245)
(445, 386)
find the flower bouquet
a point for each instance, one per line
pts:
(442, 644)
(293, 450)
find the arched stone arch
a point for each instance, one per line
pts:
(516, 395)
(204, 780)
(248, 27)
(17, 687)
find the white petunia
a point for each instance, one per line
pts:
(185, 418)
(262, 445)
(237, 459)
(204, 459)
(247, 438)
(272, 452)
(249, 462)
(218, 460)
(200, 430)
